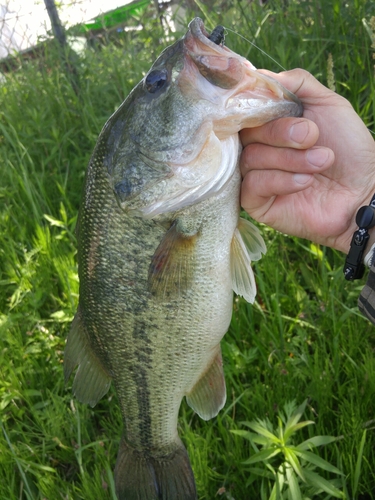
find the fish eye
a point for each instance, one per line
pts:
(156, 80)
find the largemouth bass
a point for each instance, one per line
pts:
(161, 249)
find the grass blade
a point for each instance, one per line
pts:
(28, 491)
(358, 465)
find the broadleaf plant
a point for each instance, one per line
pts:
(289, 469)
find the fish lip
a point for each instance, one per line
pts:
(287, 94)
(283, 93)
(197, 30)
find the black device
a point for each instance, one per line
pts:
(365, 219)
(218, 35)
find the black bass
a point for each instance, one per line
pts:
(161, 249)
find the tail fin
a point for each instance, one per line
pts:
(139, 476)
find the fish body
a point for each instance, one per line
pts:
(161, 249)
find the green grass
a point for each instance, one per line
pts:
(303, 338)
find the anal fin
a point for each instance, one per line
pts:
(247, 245)
(91, 380)
(208, 396)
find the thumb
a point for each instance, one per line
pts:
(302, 83)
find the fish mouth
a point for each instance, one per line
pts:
(243, 91)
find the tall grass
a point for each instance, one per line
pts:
(303, 338)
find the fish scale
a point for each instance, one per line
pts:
(161, 247)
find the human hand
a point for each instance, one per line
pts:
(308, 176)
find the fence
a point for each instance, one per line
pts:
(25, 25)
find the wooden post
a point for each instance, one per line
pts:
(67, 55)
(57, 27)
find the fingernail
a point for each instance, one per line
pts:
(298, 132)
(302, 178)
(317, 157)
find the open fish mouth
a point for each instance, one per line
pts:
(224, 69)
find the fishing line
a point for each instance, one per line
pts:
(256, 46)
(265, 53)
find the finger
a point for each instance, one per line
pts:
(302, 83)
(297, 133)
(260, 187)
(262, 157)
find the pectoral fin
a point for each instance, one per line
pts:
(247, 245)
(209, 394)
(172, 267)
(252, 239)
(91, 380)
